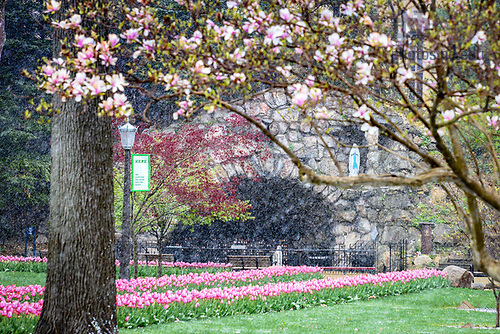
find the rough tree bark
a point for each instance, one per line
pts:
(2, 26)
(80, 292)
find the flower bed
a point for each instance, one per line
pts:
(144, 304)
(245, 277)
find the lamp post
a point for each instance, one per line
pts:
(127, 134)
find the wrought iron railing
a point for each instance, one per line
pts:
(360, 257)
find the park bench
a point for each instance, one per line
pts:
(242, 262)
(151, 254)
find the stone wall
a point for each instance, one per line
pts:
(348, 215)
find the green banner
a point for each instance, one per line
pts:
(141, 172)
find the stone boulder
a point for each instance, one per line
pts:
(459, 277)
(421, 261)
(477, 286)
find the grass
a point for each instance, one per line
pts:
(21, 278)
(431, 311)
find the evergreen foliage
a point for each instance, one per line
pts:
(24, 144)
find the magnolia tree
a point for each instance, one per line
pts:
(184, 184)
(433, 66)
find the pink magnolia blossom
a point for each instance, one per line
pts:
(315, 94)
(478, 38)
(370, 129)
(359, 4)
(362, 113)
(300, 95)
(326, 16)
(448, 115)
(113, 39)
(335, 40)
(322, 113)
(79, 79)
(130, 35)
(497, 100)
(107, 104)
(238, 78)
(238, 55)
(229, 32)
(273, 35)
(119, 100)
(210, 24)
(375, 40)
(75, 20)
(348, 57)
(53, 6)
(61, 24)
(493, 122)
(286, 15)
(366, 20)
(348, 10)
(96, 86)
(48, 70)
(59, 77)
(78, 92)
(86, 56)
(108, 60)
(116, 82)
(82, 40)
(310, 81)
(285, 71)
(149, 45)
(197, 37)
(318, 56)
(364, 73)
(200, 68)
(250, 26)
(232, 4)
(404, 74)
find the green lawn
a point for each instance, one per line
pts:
(21, 278)
(431, 311)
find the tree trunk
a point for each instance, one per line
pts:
(134, 255)
(80, 293)
(159, 272)
(3, 38)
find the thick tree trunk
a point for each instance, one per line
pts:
(2, 26)
(80, 293)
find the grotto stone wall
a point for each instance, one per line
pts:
(304, 216)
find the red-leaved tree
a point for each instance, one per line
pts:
(184, 183)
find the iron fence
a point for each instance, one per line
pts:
(360, 257)
(398, 257)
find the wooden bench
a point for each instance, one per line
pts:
(154, 257)
(249, 261)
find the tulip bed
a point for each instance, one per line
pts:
(147, 301)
